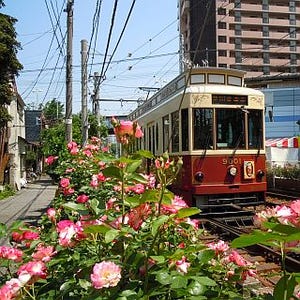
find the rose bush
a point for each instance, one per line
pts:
(278, 227)
(114, 232)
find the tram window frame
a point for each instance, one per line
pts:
(234, 80)
(149, 139)
(216, 78)
(202, 133)
(230, 129)
(184, 129)
(166, 132)
(197, 78)
(175, 131)
(257, 124)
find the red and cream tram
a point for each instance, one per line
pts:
(216, 125)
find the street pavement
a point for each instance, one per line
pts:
(29, 203)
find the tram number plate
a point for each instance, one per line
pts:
(232, 161)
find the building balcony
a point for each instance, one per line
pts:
(279, 62)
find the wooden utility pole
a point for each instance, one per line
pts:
(96, 102)
(84, 115)
(69, 77)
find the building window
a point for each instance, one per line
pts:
(265, 31)
(238, 43)
(238, 57)
(265, 17)
(237, 16)
(266, 70)
(237, 3)
(292, 32)
(222, 39)
(222, 11)
(238, 29)
(222, 66)
(266, 58)
(292, 20)
(292, 6)
(265, 4)
(293, 46)
(222, 53)
(293, 59)
(222, 25)
(266, 44)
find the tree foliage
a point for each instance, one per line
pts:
(9, 63)
(53, 110)
(53, 138)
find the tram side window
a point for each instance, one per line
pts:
(166, 133)
(175, 131)
(184, 130)
(202, 126)
(230, 129)
(255, 129)
(149, 139)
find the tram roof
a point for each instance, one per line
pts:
(179, 82)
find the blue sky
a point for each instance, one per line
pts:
(145, 57)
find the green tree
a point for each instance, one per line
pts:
(9, 63)
(53, 110)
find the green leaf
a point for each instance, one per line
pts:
(96, 229)
(111, 235)
(204, 280)
(127, 293)
(94, 204)
(281, 228)
(3, 230)
(150, 196)
(187, 212)
(145, 153)
(163, 277)
(132, 201)
(75, 206)
(112, 172)
(257, 237)
(179, 282)
(85, 284)
(158, 259)
(157, 223)
(167, 197)
(284, 288)
(132, 167)
(197, 289)
(138, 178)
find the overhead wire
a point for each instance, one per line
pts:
(109, 36)
(33, 85)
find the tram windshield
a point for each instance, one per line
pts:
(202, 124)
(234, 128)
(230, 129)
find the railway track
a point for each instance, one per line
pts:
(267, 259)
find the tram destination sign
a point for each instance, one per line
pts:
(229, 99)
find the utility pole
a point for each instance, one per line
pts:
(96, 100)
(68, 117)
(84, 115)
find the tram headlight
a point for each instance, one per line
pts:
(260, 173)
(199, 176)
(232, 170)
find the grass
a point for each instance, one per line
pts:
(6, 192)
